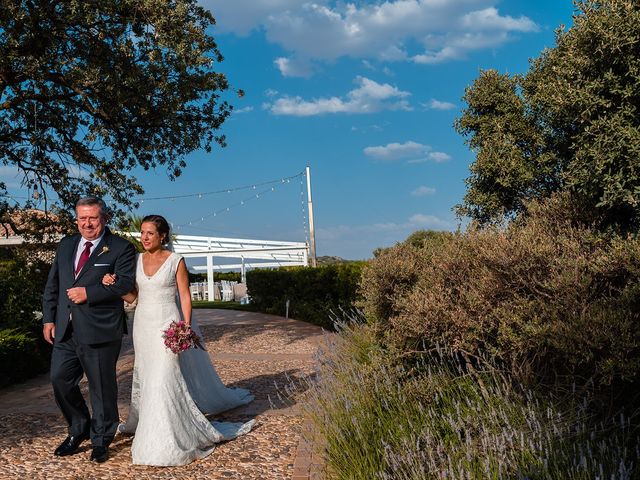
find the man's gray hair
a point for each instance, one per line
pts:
(90, 201)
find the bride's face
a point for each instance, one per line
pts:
(149, 237)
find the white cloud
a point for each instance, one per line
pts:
(411, 151)
(439, 105)
(270, 92)
(243, 16)
(422, 31)
(369, 97)
(294, 67)
(244, 110)
(399, 230)
(422, 190)
(420, 220)
(397, 151)
(489, 18)
(439, 157)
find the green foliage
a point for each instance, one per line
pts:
(80, 78)
(23, 352)
(21, 287)
(421, 239)
(440, 417)
(315, 294)
(512, 164)
(556, 302)
(22, 356)
(131, 224)
(570, 123)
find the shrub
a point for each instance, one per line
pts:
(437, 418)
(313, 293)
(548, 298)
(22, 356)
(23, 352)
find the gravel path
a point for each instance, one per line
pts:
(260, 352)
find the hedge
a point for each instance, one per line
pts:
(314, 294)
(23, 352)
(22, 356)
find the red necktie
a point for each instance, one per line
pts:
(84, 256)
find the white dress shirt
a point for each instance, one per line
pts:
(83, 241)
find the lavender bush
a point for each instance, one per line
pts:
(442, 415)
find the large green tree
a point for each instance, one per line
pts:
(570, 123)
(90, 89)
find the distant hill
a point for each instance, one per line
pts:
(328, 260)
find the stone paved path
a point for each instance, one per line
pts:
(250, 350)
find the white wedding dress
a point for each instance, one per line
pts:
(171, 393)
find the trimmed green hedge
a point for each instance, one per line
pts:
(313, 293)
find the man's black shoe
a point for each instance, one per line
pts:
(99, 454)
(70, 445)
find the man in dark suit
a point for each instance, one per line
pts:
(85, 321)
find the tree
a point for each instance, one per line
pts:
(90, 89)
(570, 123)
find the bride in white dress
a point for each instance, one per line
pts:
(171, 393)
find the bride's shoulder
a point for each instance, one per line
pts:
(176, 257)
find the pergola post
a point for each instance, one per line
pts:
(210, 274)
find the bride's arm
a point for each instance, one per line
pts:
(182, 279)
(131, 296)
(110, 279)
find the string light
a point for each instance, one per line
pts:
(253, 186)
(255, 195)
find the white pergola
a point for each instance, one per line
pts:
(247, 253)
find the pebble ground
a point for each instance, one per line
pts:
(263, 353)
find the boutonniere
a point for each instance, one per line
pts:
(105, 249)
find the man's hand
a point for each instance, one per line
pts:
(49, 332)
(77, 295)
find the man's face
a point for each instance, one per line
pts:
(90, 223)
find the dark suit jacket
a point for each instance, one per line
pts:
(101, 318)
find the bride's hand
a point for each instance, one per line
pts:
(109, 279)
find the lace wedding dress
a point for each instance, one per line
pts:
(172, 393)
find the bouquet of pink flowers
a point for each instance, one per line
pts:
(179, 337)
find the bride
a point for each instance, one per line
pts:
(171, 393)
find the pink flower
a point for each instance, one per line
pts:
(179, 337)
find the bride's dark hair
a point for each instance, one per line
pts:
(161, 225)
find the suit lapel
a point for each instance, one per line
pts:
(96, 252)
(73, 254)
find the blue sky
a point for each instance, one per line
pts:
(365, 93)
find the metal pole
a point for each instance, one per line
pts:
(312, 234)
(210, 279)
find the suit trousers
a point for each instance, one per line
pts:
(70, 360)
